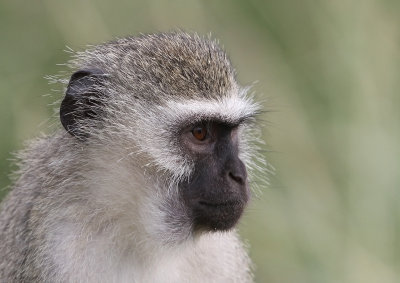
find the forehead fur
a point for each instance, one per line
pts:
(155, 66)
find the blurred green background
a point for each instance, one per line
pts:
(328, 71)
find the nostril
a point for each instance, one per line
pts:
(238, 179)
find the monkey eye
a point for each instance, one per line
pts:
(200, 132)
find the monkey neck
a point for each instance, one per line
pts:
(115, 200)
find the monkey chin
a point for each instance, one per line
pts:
(217, 216)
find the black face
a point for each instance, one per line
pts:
(217, 191)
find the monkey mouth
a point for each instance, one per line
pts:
(220, 204)
(217, 215)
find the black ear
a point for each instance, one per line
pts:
(81, 101)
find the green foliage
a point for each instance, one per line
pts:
(328, 70)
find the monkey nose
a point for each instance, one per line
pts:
(236, 172)
(237, 178)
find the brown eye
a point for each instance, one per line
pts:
(200, 133)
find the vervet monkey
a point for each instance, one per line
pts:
(147, 178)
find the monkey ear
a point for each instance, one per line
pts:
(81, 101)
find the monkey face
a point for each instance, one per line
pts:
(217, 190)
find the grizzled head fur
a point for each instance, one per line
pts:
(154, 67)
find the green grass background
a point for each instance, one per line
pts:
(329, 72)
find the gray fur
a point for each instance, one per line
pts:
(106, 209)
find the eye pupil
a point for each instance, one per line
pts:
(199, 133)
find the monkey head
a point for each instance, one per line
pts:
(165, 114)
